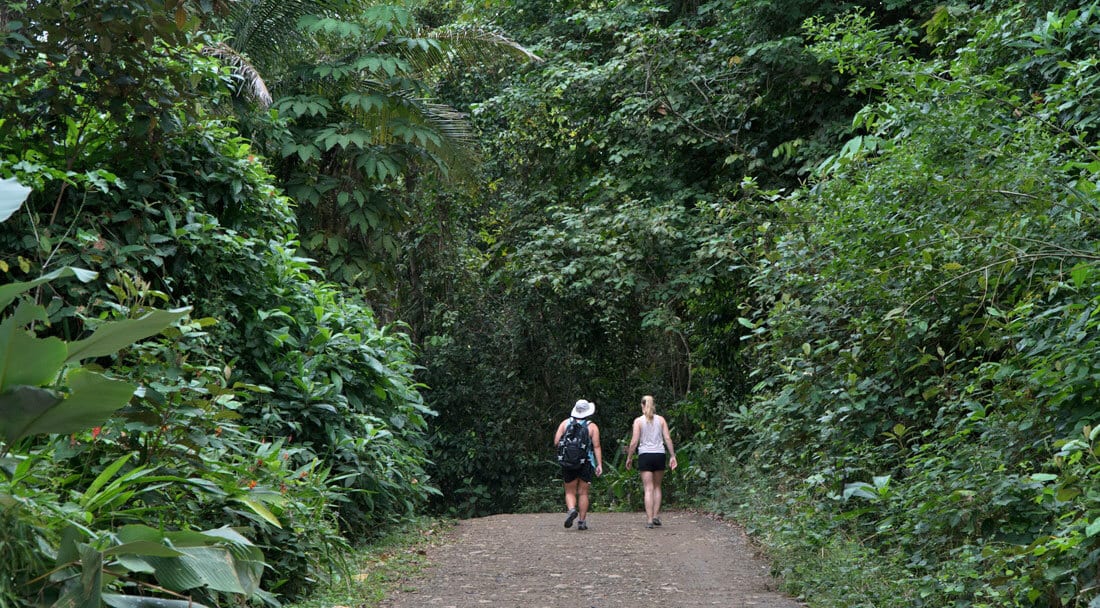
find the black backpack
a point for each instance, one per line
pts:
(574, 446)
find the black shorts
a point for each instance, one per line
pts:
(651, 461)
(585, 474)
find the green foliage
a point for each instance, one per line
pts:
(902, 342)
(32, 403)
(607, 256)
(155, 188)
(381, 564)
(923, 319)
(341, 390)
(29, 405)
(354, 121)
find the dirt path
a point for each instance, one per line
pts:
(532, 561)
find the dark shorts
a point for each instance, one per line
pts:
(651, 462)
(585, 474)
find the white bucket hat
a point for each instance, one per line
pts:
(583, 409)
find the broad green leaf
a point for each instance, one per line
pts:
(1080, 275)
(115, 600)
(248, 559)
(113, 337)
(26, 360)
(85, 591)
(142, 547)
(135, 563)
(19, 407)
(859, 488)
(227, 534)
(138, 532)
(29, 411)
(12, 195)
(211, 567)
(1067, 493)
(220, 559)
(10, 291)
(68, 550)
(27, 313)
(1094, 528)
(259, 509)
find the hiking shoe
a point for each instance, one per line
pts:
(582, 525)
(656, 521)
(649, 524)
(569, 517)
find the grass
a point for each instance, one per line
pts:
(377, 569)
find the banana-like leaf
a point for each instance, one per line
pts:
(115, 600)
(138, 541)
(28, 313)
(113, 337)
(85, 592)
(26, 410)
(135, 563)
(68, 550)
(19, 406)
(10, 291)
(219, 559)
(248, 560)
(27, 360)
(210, 567)
(142, 547)
(12, 195)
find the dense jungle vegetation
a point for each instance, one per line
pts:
(279, 275)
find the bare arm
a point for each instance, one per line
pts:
(634, 438)
(668, 444)
(594, 433)
(561, 429)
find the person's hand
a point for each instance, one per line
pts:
(672, 463)
(599, 470)
(628, 464)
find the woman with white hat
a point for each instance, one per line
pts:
(577, 474)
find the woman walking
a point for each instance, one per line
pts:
(651, 439)
(577, 471)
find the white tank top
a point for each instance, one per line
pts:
(652, 440)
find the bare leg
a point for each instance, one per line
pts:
(571, 495)
(647, 483)
(658, 476)
(582, 498)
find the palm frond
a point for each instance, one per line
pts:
(267, 30)
(452, 150)
(471, 42)
(251, 80)
(433, 49)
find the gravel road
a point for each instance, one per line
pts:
(532, 561)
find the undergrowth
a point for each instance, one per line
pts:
(825, 568)
(379, 567)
